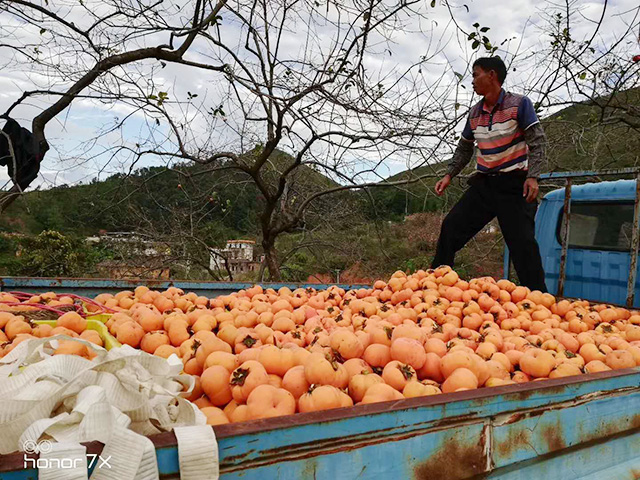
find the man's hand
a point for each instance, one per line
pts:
(442, 185)
(530, 190)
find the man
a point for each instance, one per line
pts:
(510, 151)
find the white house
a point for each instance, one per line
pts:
(240, 255)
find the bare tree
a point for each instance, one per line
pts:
(84, 48)
(585, 64)
(342, 88)
(316, 79)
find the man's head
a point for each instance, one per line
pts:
(488, 74)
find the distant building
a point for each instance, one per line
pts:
(239, 254)
(134, 256)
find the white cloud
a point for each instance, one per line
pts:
(71, 159)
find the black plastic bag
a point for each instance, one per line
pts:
(20, 153)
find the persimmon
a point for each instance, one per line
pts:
(239, 414)
(520, 377)
(215, 382)
(203, 402)
(323, 397)
(568, 356)
(346, 343)
(436, 346)
(249, 354)
(245, 378)
(321, 369)
(165, 351)
(431, 369)
(300, 355)
(228, 333)
(595, 366)
(275, 380)
(150, 321)
(358, 384)
(356, 366)
(178, 332)
(486, 350)
(497, 370)
(409, 351)
(224, 359)
(6, 316)
(215, 416)
(295, 381)
(381, 392)
(205, 322)
(618, 359)
(420, 389)
(69, 347)
(130, 333)
(40, 331)
(378, 355)
(73, 321)
(16, 326)
(460, 378)
(590, 351)
(396, 374)
(536, 362)
(454, 360)
(518, 294)
(408, 330)
(497, 382)
(565, 370)
(93, 337)
(207, 347)
(504, 360)
(246, 340)
(152, 340)
(267, 401)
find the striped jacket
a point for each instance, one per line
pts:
(500, 134)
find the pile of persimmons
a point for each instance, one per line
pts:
(15, 329)
(263, 353)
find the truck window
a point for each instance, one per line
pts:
(599, 226)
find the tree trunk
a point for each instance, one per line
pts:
(271, 259)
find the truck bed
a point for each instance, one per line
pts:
(572, 428)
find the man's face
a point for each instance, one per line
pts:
(483, 80)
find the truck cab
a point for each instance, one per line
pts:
(598, 258)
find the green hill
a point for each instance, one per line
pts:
(590, 136)
(582, 136)
(153, 197)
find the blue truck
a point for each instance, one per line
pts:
(585, 427)
(600, 236)
(598, 224)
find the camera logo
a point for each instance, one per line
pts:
(31, 447)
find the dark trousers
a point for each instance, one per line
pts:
(491, 196)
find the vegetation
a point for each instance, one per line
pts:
(354, 235)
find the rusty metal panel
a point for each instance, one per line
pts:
(635, 235)
(468, 434)
(462, 435)
(457, 452)
(566, 223)
(525, 435)
(614, 458)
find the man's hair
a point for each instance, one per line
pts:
(492, 63)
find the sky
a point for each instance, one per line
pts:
(76, 157)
